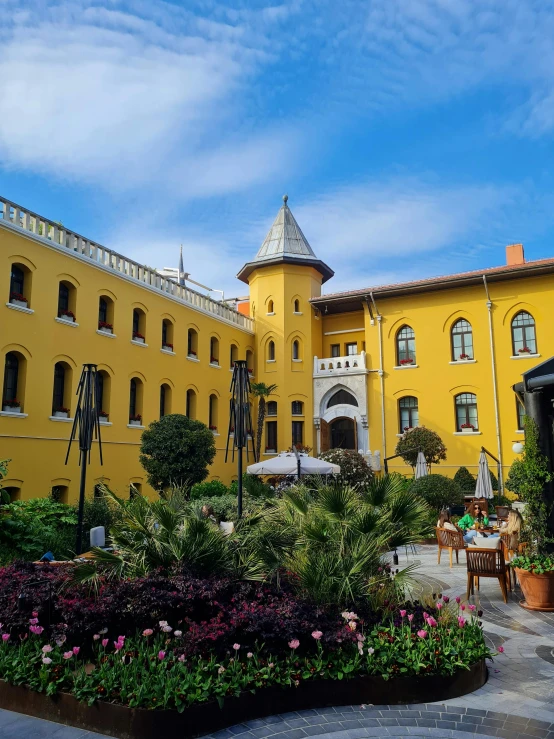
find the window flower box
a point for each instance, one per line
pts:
(138, 337)
(464, 357)
(19, 300)
(106, 328)
(67, 315)
(250, 371)
(103, 416)
(214, 360)
(406, 361)
(213, 428)
(61, 413)
(11, 406)
(167, 347)
(524, 350)
(467, 428)
(191, 354)
(135, 420)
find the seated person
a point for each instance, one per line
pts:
(468, 522)
(512, 525)
(444, 521)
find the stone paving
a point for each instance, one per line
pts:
(517, 702)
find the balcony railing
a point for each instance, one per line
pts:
(56, 234)
(351, 364)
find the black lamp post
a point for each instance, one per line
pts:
(87, 423)
(240, 420)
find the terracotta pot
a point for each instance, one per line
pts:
(538, 590)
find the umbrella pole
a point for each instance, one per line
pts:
(239, 487)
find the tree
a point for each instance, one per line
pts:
(465, 480)
(354, 470)
(177, 451)
(424, 439)
(528, 478)
(261, 391)
(438, 491)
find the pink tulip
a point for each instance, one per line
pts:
(458, 599)
(36, 630)
(46, 661)
(431, 621)
(370, 650)
(471, 607)
(422, 633)
(161, 655)
(147, 632)
(34, 614)
(425, 615)
(294, 644)
(402, 614)
(33, 621)
(439, 605)
(446, 599)
(236, 647)
(249, 655)
(410, 617)
(352, 625)
(5, 637)
(76, 650)
(462, 607)
(317, 635)
(500, 649)
(67, 655)
(105, 642)
(461, 622)
(96, 637)
(47, 648)
(182, 658)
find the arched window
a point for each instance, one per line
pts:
(12, 390)
(250, 361)
(296, 306)
(297, 407)
(135, 401)
(270, 310)
(66, 301)
(342, 397)
(524, 339)
(165, 400)
(104, 394)
(271, 351)
(20, 286)
(191, 404)
(105, 314)
(60, 493)
(62, 390)
(296, 350)
(139, 326)
(214, 350)
(135, 489)
(466, 411)
(212, 412)
(408, 413)
(405, 346)
(272, 408)
(192, 343)
(462, 340)
(233, 355)
(520, 411)
(167, 335)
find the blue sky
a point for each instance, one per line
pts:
(413, 137)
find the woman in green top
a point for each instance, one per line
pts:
(470, 519)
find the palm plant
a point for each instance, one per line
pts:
(261, 391)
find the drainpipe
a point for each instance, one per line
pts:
(495, 390)
(381, 375)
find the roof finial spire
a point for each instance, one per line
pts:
(285, 199)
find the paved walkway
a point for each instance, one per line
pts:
(516, 703)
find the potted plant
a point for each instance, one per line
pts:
(534, 567)
(192, 353)
(61, 412)
(103, 416)
(138, 337)
(167, 347)
(524, 350)
(214, 360)
(135, 420)
(404, 362)
(67, 315)
(464, 357)
(11, 406)
(106, 328)
(19, 300)
(467, 428)
(213, 428)
(250, 371)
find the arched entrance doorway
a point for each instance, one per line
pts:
(343, 433)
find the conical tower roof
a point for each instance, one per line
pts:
(285, 243)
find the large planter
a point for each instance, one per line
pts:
(69, 319)
(61, 414)
(11, 409)
(20, 303)
(538, 590)
(138, 723)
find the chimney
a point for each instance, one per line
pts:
(514, 255)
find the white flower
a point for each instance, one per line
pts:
(178, 633)
(370, 650)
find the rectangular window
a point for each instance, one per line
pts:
(335, 350)
(298, 432)
(520, 415)
(63, 298)
(59, 387)
(271, 436)
(351, 348)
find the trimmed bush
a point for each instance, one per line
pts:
(209, 489)
(438, 491)
(354, 470)
(422, 438)
(465, 480)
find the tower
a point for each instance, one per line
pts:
(284, 275)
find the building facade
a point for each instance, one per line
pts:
(352, 369)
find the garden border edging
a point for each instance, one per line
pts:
(139, 723)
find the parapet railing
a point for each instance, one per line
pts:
(349, 364)
(57, 234)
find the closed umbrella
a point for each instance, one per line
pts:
(421, 466)
(483, 488)
(288, 464)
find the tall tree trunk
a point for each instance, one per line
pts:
(260, 429)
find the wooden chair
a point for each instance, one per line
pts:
(502, 512)
(487, 563)
(451, 540)
(512, 546)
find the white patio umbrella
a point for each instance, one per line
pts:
(483, 488)
(421, 468)
(288, 464)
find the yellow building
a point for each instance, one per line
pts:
(352, 369)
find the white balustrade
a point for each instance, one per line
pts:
(350, 364)
(57, 234)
